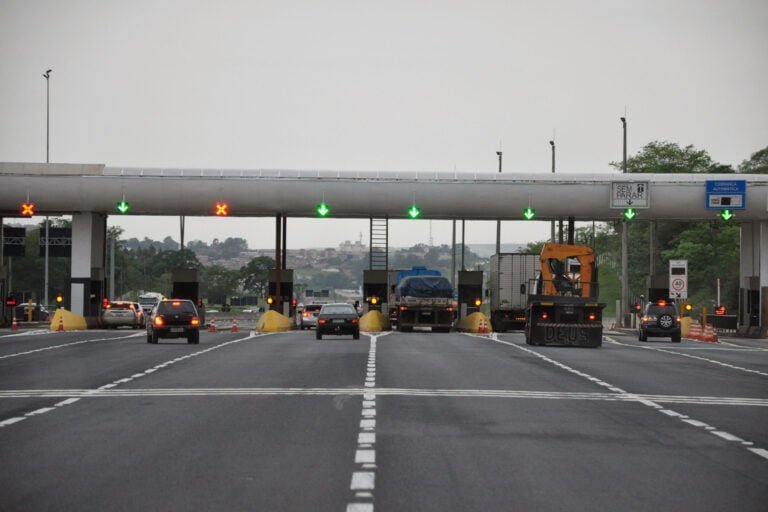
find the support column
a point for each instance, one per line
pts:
(753, 279)
(89, 241)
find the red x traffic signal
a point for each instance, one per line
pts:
(222, 209)
(27, 209)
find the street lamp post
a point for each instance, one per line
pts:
(498, 221)
(624, 243)
(47, 76)
(552, 226)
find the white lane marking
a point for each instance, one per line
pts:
(369, 403)
(95, 392)
(365, 456)
(80, 342)
(367, 423)
(672, 413)
(727, 436)
(360, 507)
(681, 417)
(11, 421)
(68, 401)
(363, 494)
(691, 356)
(759, 451)
(34, 332)
(366, 438)
(363, 480)
(40, 411)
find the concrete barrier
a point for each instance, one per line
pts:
(476, 322)
(71, 321)
(272, 321)
(374, 321)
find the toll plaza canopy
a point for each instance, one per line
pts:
(68, 188)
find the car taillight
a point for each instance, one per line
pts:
(403, 308)
(354, 320)
(592, 316)
(544, 316)
(322, 321)
(159, 320)
(450, 308)
(677, 318)
(305, 314)
(645, 319)
(195, 321)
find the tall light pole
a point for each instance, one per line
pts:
(498, 221)
(47, 76)
(552, 143)
(624, 243)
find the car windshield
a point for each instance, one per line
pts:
(313, 308)
(655, 309)
(338, 310)
(122, 305)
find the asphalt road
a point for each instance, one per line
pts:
(102, 420)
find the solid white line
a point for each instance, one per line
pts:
(363, 480)
(53, 347)
(68, 401)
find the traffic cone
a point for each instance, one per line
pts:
(234, 325)
(61, 324)
(212, 327)
(483, 327)
(709, 334)
(14, 324)
(694, 332)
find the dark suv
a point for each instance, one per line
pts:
(660, 319)
(175, 318)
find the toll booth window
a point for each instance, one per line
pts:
(176, 306)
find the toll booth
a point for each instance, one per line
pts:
(753, 306)
(470, 291)
(375, 295)
(185, 284)
(288, 306)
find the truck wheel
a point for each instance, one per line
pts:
(356, 335)
(318, 336)
(155, 338)
(149, 338)
(676, 338)
(194, 338)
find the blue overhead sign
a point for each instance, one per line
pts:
(726, 194)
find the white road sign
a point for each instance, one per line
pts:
(678, 279)
(630, 195)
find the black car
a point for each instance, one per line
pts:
(660, 320)
(175, 318)
(338, 319)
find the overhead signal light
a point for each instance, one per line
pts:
(222, 209)
(529, 213)
(323, 210)
(123, 207)
(414, 212)
(727, 215)
(27, 209)
(630, 213)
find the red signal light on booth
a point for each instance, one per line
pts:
(293, 303)
(222, 209)
(720, 310)
(27, 209)
(10, 301)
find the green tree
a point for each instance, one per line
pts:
(219, 282)
(668, 157)
(255, 274)
(757, 163)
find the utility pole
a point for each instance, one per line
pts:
(624, 244)
(47, 76)
(552, 143)
(498, 221)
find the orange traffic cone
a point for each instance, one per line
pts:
(709, 334)
(212, 327)
(694, 332)
(234, 325)
(61, 324)
(482, 328)
(14, 325)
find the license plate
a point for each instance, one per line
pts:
(338, 321)
(177, 329)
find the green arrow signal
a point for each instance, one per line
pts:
(323, 210)
(726, 215)
(630, 213)
(414, 212)
(123, 207)
(529, 213)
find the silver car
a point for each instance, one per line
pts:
(121, 313)
(309, 316)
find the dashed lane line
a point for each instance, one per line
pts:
(95, 392)
(649, 403)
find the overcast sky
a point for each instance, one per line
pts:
(396, 85)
